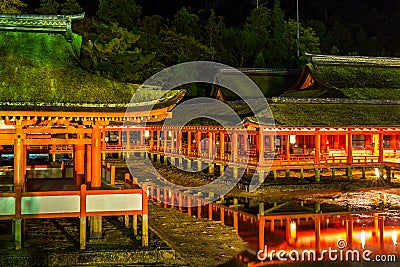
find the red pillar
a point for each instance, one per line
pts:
(79, 160)
(234, 146)
(261, 147)
(198, 145)
(287, 146)
(19, 160)
(317, 148)
(349, 147)
(210, 144)
(96, 157)
(221, 145)
(88, 163)
(380, 147)
(189, 143)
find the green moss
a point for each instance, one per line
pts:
(335, 114)
(44, 67)
(358, 77)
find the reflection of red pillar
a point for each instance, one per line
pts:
(261, 226)
(381, 232)
(96, 157)
(318, 234)
(349, 230)
(236, 221)
(376, 226)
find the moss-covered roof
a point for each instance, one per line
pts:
(272, 82)
(43, 68)
(336, 114)
(350, 77)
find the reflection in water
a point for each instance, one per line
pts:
(289, 230)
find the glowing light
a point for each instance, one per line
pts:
(146, 133)
(377, 174)
(292, 139)
(169, 134)
(362, 238)
(293, 229)
(394, 237)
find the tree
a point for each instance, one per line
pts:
(309, 42)
(278, 52)
(112, 52)
(186, 23)
(124, 12)
(48, 7)
(71, 7)
(11, 6)
(213, 32)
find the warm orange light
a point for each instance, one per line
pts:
(293, 229)
(394, 237)
(362, 238)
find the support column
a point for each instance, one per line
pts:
(287, 147)
(221, 145)
(96, 158)
(211, 168)
(189, 145)
(82, 232)
(79, 160)
(234, 142)
(317, 147)
(95, 227)
(18, 234)
(158, 144)
(388, 174)
(198, 143)
(349, 147)
(349, 173)
(88, 164)
(380, 157)
(210, 145)
(363, 173)
(317, 175)
(261, 146)
(95, 221)
(151, 140)
(19, 160)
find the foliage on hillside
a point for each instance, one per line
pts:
(42, 67)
